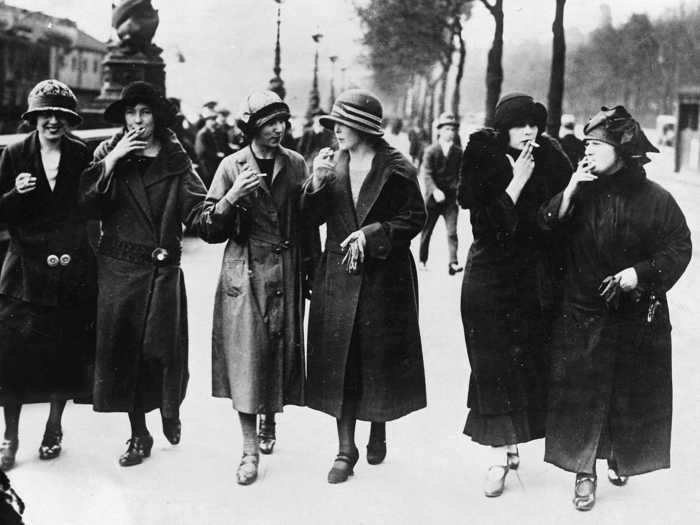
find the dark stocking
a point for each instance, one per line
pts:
(137, 418)
(12, 410)
(346, 429)
(377, 432)
(55, 413)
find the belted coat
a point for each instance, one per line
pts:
(376, 310)
(142, 338)
(47, 285)
(611, 367)
(258, 336)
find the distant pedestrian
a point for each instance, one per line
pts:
(222, 131)
(47, 285)
(364, 350)
(258, 339)
(627, 243)
(315, 138)
(417, 139)
(510, 281)
(440, 170)
(207, 147)
(142, 187)
(570, 143)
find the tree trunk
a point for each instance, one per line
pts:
(424, 102)
(431, 108)
(556, 76)
(494, 68)
(460, 73)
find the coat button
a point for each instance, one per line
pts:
(279, 293)
(52, 260)
(277, 250)
(65, 259)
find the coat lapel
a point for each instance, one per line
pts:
(134, 182)
(372, 187)
(342, 185)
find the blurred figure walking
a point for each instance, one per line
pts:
(570, 143)
(440, 170)
(47, 285)
(258, 339)
(206, 146)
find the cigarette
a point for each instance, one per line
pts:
(534, 144)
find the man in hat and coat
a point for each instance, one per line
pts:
(440, 170)
(626, 243)
(206, 147)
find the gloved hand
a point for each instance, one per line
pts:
(610, 291)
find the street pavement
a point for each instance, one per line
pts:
(433, 473)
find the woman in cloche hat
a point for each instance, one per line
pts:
(47, 285)
(364, 350)
(142, 187)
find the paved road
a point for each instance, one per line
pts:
(433, 473)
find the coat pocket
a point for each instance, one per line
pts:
(234, 276)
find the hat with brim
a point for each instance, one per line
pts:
(357, 109)
(616, 127)
(259, 108)
(52, 96)
(447, 119)
(140, 92)
(518, 109)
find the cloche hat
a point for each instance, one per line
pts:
(259, 108)
(52, 95)
(515, 108)
(140, 92)
(358, 109)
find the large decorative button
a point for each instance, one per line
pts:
(277, 250)
(65, 259)
(160, 256)
(279, 293)
(52, 260)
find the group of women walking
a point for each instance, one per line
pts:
(563, 301)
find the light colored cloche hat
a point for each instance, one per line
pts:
(358, 109)
(259, 108)
(52, 95)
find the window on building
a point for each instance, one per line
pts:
(74, 63)
(96, 65)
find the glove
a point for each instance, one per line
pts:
(610, 291)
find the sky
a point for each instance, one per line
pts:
(228, 44)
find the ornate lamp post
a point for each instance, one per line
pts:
(314, 97)
(331, 99)
(342, 78)
(276, 82)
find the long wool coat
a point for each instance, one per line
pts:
(46, 306)
(258, 337)
(142, 308)
(611, 369)
(510, 279)
(377, 310)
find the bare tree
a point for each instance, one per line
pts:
(556, 78)
(494, 67)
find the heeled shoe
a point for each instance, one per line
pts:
(139, 448)
(494, 485)
(613, 475)
(247, 471)
(343, 467)
(51, 443)
(376, 452)
(8, 452)
(584, 491)
(513, 460)
(454, 268)
(172, 429)
(266, 436)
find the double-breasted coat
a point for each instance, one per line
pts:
(610, 387)
(258, 335)
(376, 311)
(47, 285)
(510, 279)
(142, 339)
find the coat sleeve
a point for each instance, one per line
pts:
(193, 193)
(397, 232)
(315, 204)
(220, 217)
(97, 187)
(10, 199)
(670, 248)
(491, 208)
(428, 169)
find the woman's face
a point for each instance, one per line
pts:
(519, 136)
(51, 125)
(272, 133)
(602, 157)
(348, 138)
(140, 117)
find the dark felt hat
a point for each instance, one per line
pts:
(52, 96)
(140, 92)
(516, 109)
(615, 126)
(358, 109)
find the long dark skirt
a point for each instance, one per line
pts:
(45, 351)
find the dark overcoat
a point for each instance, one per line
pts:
(611, 368)
(47, 285)
(142, 308)
(510, 278)
(377, 309)
(258, 336)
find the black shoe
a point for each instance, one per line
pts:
(51, 443)
(343, 466)
(266, 436)
(454, 268)
(172, 429)
(584, 491)
(139, 448)
(8, 452)
(614, 476)
(376, 452)
(247, 471)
